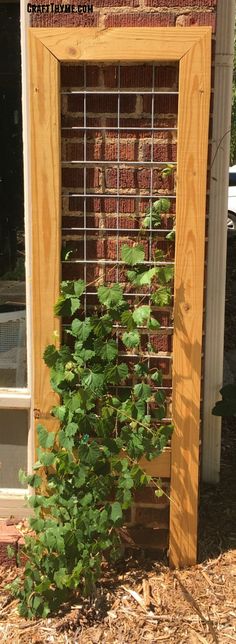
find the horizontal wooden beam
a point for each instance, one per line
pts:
(134, 43)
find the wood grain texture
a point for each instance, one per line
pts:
(194, 99)
(133, 43)
(45, 177)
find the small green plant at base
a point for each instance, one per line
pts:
(110, 416)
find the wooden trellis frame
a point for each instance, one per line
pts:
(191, 47)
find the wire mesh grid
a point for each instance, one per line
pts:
(112, 166)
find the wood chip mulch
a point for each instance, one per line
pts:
(145, 603)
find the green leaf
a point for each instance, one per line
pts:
(152, 220)
(142, 279)
(75, 305)
(93, 381)
(46, 439)
(132, 254)
(102, 326)
(67, 287)
(153, 324)
(71, 429)
(131, 339)
(116, 373)
(141, 314)
(79, 287)
(162, 296)
(65, 441)
(46, 458)
(62, 306)
(159, 255)
(141, 369)
(61, 578)
(34, 480)
(165, 274)
(161, 205)
(171, 235)
(81, 329)
(157, 377)
(159, 397)
(159, 492)
(127, 320)
(142, 391)
(107, 351)
(50, 355)
(59, 412)
(11, 552)
(23, 477)
(116, 512)
(109, 296)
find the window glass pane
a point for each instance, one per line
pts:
(12, 237)
(13, 446)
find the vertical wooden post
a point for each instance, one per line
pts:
(194, 96)
(46, 208)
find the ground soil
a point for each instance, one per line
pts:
(141, 600)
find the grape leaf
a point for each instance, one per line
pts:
(110, 295)
(141, 314)
(116, 512)
(131, 339)
(50, 355)
(108, 350)
(46, 438)
(132, 254)
(116, 373)
(142, 391)
(162, 296)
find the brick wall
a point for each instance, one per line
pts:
(135, 13)
(149, 517)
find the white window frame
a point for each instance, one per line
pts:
(21, 397)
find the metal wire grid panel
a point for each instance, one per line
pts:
(119, 132)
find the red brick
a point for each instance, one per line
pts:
(136, 178)
(76, 271)
(73, 152)
(64, 20)
(127, 103)
(147, 495)
(166, 76)
(74, 177)
(193, 18)
(75, 103)
(69, 120)
(140, 20)
(101, 103)
(161, 152)
(115, 3)
(135, 536)
(161, 342)
(198, 4)
(164, 104)
(152, 517)
(135, 76)
(92, 76)
(72, 75)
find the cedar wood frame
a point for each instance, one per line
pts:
(191, 47)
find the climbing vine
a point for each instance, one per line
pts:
(110, 415)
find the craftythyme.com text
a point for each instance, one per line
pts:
(59, 8)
